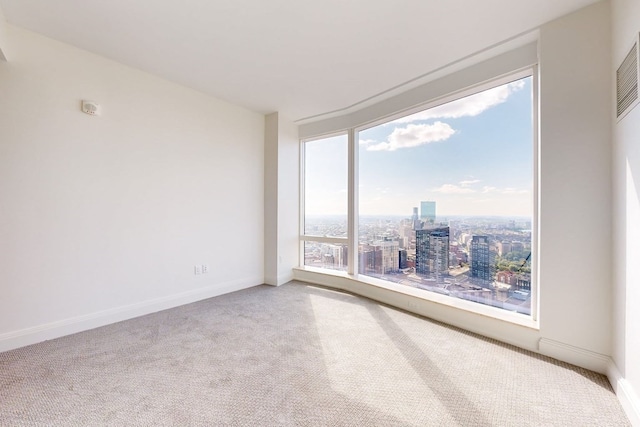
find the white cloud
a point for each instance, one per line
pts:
(508, 190)
(513, 191)
(488, 189)
(469, 182)
(452, 189)
(366, 141)
(414, 136)
(467, 107)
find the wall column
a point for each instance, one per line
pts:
(281, 194)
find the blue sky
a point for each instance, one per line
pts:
(473, 156)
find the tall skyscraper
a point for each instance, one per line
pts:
(366, 259)
(402, 259)
(428, 212)
(405, 233)
(415, 221)
(388, 250)
(432, 252)
(379, 257)
(481, 261)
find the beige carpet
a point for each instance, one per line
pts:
(293, 355)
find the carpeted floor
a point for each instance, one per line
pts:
(294, 355)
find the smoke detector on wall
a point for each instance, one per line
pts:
(91, 108)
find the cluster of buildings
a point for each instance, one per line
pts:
(431, 252)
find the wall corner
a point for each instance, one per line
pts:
(626, 394)
(4, 55)
(271, 199)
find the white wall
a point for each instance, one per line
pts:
(3, 37)
(626, 220)
(271, 199)
(288, 200)
(281, 199)
(103, 218)
(575, 182)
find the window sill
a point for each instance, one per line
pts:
(514, 328)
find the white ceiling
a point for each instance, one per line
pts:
(300, 57)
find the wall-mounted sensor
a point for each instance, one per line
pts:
(91, 107)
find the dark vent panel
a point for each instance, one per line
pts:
(627, 82)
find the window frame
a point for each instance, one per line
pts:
(310, 237)
(352, 240)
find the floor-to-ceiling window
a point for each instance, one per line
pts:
(441, 198)
(324, 198)
(446, 198)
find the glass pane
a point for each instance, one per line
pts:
(446, 198)
(325, 187)
(325, 255)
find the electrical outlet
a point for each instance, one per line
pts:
(197, 269)
(205, 268)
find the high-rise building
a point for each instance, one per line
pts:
(366, 259)
(428, 212)
(388, 250)
(402, 259)
(406, 233)
(504, 248)
(432, 252)
(415, 220)
(517, 246)
(481, 261)
(379, 257)
(333, 256)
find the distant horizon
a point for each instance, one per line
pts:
(520, 217)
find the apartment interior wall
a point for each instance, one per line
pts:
(281, 199)
(105, 217)
(288, 200)
(575, 179)
(271, 199)
(626, 218)
(3, 37)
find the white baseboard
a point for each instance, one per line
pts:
(575, 355)
(626, 395)
(48, 331)
(280, 280)
(285, 278)
(271, 281)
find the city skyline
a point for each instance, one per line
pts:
(484, 260)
